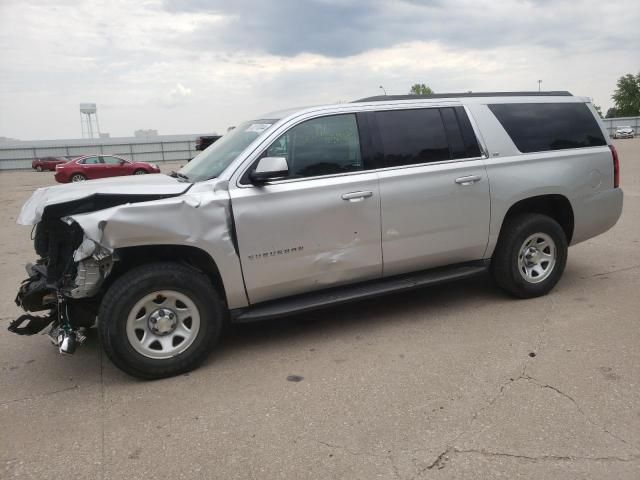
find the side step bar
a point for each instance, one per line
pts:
(350, 293)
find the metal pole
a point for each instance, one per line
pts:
(385, 92)
(539, 83)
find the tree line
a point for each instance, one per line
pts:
(626, 96)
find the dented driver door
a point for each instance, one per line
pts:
(306, 232)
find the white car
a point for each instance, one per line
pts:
(623, 132)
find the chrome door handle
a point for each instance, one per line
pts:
(356, 196)
(469, 180)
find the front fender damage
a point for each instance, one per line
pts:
(202, 220)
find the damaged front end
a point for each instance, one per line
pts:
(64, 283)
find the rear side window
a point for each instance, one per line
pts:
(412, 136)
(540, 127)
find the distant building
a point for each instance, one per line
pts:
(8, 139)
(105, 135)
(145, 133)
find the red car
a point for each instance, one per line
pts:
(47, 163)
(90, 167)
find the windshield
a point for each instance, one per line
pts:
(211, 162)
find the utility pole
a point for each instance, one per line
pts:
(539, 82)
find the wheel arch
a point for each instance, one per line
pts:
(194, 257)
(556, 206)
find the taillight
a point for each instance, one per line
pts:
(616, 167)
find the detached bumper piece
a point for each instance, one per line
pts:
(34, 324)
(35, 295)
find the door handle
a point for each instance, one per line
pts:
(469, 180)
(356, 196)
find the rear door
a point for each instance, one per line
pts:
(318, 228)
(435, 201)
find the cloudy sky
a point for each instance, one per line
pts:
(202, 65)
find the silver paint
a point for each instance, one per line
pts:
(338, 228)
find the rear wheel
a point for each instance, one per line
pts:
(160, 320)
(78, 177)
(140, 172)
(530, 256)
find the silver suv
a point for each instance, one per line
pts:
(306, 208)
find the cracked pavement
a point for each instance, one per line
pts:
(452, 382)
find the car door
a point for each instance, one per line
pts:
(114, 166)
(92, 167)
(317, 228)
(434, 190)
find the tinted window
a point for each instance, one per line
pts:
(538, 127)
(468, 135)
(322, 146)
(457, 147)
(90, 161)
(412, 136)
(111, 160)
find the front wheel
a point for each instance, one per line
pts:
(160, 320)
(39, 168)
(140, 172)
(530, 256)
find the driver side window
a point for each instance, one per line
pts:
(322, 146)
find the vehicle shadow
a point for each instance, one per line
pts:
(352, 318)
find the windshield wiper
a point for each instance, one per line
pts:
(175, 174)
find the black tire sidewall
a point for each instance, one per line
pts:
(129, 289)
(518, 230)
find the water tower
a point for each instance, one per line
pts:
(89, 120)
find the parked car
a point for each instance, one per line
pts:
(623, 132)
(319, 206)
(204, 141)
(90, 167)
(47, 163)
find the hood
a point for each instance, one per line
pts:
(100, 194)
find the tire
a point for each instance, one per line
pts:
(77, 177)
(530, 256)
(140, 172)
(39, 168)
(124, 327)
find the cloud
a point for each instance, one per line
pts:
(215, 63)
(176, 96)
(341, 28)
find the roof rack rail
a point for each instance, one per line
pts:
(382, 98)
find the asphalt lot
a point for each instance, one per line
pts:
(452, 382)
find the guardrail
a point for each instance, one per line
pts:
(168, 148)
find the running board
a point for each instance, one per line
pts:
(360, 291)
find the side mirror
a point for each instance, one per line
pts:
(269, 168)
(122, 162)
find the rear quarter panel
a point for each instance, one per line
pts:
(583, 175)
